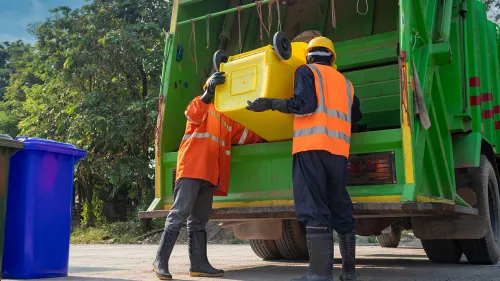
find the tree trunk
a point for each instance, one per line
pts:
(88, 198)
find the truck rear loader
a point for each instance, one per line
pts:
(427, 73)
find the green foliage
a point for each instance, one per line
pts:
(15, 77)
(92, 213)
(92, 79)
(115, 233)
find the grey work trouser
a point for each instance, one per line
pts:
(192, 201)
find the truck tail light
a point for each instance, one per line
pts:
(371, 169)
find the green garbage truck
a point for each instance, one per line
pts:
(427, 73)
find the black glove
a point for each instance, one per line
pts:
(263, 104)
(259, 105)
(217, 78)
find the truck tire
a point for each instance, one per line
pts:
(391, 239)
(293, 243)
(487, 249)
(265, 249)
(442, 250)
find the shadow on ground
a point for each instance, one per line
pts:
(370, 269)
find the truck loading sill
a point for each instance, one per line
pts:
(361, 210)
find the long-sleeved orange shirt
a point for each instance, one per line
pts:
(205, 150)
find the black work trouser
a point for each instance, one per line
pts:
(321, 200)
(192, 202)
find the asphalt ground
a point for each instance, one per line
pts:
(133, 262)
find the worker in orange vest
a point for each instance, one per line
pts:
(202, 171)
(325, 108)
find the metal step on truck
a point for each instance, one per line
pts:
(425, 157)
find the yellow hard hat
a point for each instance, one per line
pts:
(325, 43)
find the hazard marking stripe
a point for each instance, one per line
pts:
(486, 97)
(487, 114)
(475, 100)
(474, 82)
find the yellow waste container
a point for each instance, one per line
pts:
(255, 74)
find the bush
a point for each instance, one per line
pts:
(115, 233)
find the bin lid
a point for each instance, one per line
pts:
(7, 141)
(51, 146)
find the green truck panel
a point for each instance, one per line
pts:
(451, 45)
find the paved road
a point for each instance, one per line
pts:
(133, 262)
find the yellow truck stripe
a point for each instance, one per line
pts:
(267, 203)
(406, 130)
(157, 178)
(173, 21)
(427, 199)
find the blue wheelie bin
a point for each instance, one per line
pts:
(39, 207)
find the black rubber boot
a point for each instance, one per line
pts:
(320, 258)
(160, 265)
(200, 267)
(347, 243)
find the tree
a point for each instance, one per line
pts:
(15, 77)
(98, 72)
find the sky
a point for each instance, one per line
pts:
(495, 11)
(15, 15)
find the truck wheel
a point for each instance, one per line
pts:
(487, 249)
(265, 249)
(391, 239)
(293, 242)
(442, 250)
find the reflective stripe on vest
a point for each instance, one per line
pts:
(322, 104)
(229, 128)
(243, 136)
(322, 130)
(329, 112)
(191, 120)
(203, 136)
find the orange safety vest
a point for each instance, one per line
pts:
(329, 127)
(205, 150)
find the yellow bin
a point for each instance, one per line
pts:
(255, 74)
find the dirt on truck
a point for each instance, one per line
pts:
(425, 154)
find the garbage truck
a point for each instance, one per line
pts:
(424, 157)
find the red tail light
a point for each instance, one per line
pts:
(371, 169)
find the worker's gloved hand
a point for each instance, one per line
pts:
(217, 78)
(259, 105)
(263, 104)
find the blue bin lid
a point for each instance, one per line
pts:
(51, 146)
